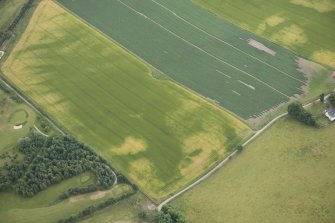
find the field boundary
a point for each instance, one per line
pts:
(151, 67)
(28, 101)
(230, 156)
(40, 112)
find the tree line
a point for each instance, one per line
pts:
(94, 208)
(168, 214)
(50, 160)
(5, 35)
(298, 112)
(10, 93)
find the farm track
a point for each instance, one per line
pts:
(233, 154)
(35, 108)
(128, 103)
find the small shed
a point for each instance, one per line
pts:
(330, 113)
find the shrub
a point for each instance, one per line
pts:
(239, 148)
(322, 97)
(297, 111)
(332, 99)
(142, 215)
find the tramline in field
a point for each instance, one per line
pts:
(238, 70)
(147, 128)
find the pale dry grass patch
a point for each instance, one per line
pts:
(208, 144)
(130, 146)
(144, 174)
(318, 5)
(271, 21)
(290, 36)
(324, 57)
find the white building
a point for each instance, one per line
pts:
(330, 113)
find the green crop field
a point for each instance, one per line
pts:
(8, 10)
(232, 67)
(146, 127)
(304, 26)
(286, 175)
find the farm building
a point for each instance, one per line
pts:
(330, 113)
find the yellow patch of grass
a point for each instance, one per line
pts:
(324, 57)
(130, 146)
(290, 36)
(271, 21)
(207, 144)
(144, 174)
(318, 5)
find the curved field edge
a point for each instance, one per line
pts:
(284, 175)
(303, 26)
(147, 128)
(9, 109)
(41, 210)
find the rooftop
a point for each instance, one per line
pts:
(330, 113)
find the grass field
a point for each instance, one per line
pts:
(199, 50)
(125, 211)
(147, 128)
(10, 201)
(14, 208)
(11, 114)
(286, 175)
(8, 10)
(304, 26)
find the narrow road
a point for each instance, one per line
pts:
(40, 132)
(40, 113)
(222, 163)
(30, 104)
(258, 133)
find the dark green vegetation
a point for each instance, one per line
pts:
(304, 26)
(332, 99)
(11, 13)
(127, 210)
(317, 109)
(147, 128)
(94, 208)
(136, 209)
(53, 172)
(199, 50)
(9, 9)
(41, 209)
(286, 175)
(298, 112)
(50, 160)
(169, 214)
